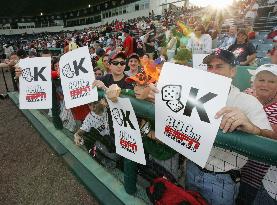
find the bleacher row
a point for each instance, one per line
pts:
(263, 46)
(237, 141)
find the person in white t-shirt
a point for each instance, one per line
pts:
(8, 50)
(200, 43)
(230, 38)
(218, 182)
(252, 13)
(97, 119)
(171, 46)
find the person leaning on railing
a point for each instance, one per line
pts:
(218, 182)
(161, 160)
(117, 66)
(99, 117)
(133, 64)
(10, 63)
(45, 53)
(252, 174)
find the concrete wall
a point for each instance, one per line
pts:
(127, 16)
(153, 5)
(31, 30)
(45, 29)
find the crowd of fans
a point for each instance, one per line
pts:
(130, 55)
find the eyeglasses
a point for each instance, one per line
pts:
(116, 63)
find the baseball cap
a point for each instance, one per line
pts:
(134, 55)
(267, 67)
(21, 53)
(118, 55)
(226, 56)
(100, 51)
(126, 30)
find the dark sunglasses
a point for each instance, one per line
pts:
(116, 63)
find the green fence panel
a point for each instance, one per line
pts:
(252, 146)
(242, 78)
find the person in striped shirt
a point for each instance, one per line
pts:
(252, 174)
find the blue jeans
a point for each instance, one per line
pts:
(263, 198)
(217, 189)
(247, 194)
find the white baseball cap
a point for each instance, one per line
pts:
(267, 67)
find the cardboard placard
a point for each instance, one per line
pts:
(185, 108)
(77, 76)
(128, 140)
(197, 60)
(35, 83)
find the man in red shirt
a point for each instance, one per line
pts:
(128, 44)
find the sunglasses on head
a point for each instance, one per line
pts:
(116, 63)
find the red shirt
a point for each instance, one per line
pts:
(252, 35)
(80, 112)
(128, 42)
(55, 74)
(118, 26)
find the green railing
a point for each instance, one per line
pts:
(255, 147)
(252, 146)
(242, 78)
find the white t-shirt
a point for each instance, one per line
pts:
(271, 1)
(255, 7)
(99, 122)
(228, 41)
(222, 160)
(270, 182)
(8, 50)
(251, 14)
(202, 45)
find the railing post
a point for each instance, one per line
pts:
(130, 176)
(55, 109)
